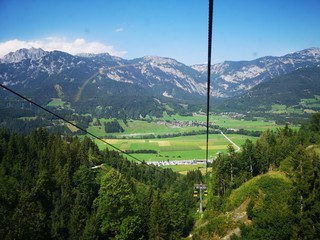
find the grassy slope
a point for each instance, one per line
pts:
(267, 194)
(274, 186)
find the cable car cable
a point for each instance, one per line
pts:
(209, 75)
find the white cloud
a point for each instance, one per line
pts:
(79, 45)
(119, 30)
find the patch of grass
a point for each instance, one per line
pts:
(184, 169)
(293, 110)
(56, 102)
(179, 148)
(177, 117)
(28, 118)
(278, 108)
(226, 122)
(315, 148)
(72, 128)
(312, 103)
(97, 130)
(274, 184)
(143, 144)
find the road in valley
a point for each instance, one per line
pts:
(238, 148)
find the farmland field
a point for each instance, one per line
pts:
(157, 135)
(183, 169)
(224, 121)
(177, 148)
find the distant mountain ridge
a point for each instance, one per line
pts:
(35, 70)
(234, 78)
(156, 76)
(297, 92)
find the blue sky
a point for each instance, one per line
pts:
(243, 29)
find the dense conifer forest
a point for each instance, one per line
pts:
(51, 189)
(58, 187)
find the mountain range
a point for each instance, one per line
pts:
(232, 78)
(44, 75)
(289, 93)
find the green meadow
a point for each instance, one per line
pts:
(184, 169)
(177, 148)
(259, 125)
(149, 135)
(56, 102)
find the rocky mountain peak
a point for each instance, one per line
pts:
(92, 55)
(311, 51)
(22, 54)
(156, 60)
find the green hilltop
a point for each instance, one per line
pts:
(269, 190)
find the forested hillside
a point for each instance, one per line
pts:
(54, 187)
(269, 190)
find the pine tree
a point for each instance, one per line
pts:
(306, 194)
(116, 207)
(158, 223)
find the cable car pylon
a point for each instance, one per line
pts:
(200, 193)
